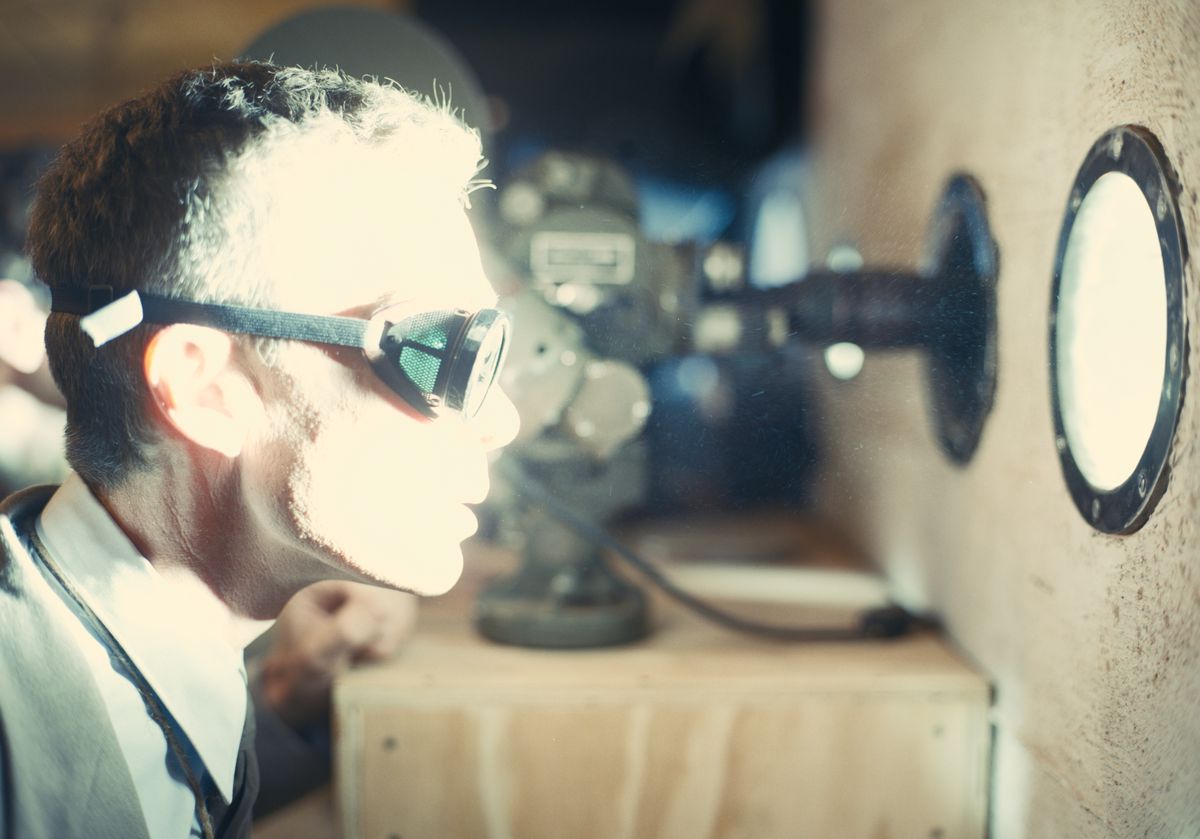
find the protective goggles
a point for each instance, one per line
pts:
(439, 361)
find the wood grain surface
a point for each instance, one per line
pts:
(693, 733)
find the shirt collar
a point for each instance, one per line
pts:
(171, 624)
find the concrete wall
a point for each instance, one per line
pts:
(1092, 641)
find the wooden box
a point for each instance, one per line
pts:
(693, 733)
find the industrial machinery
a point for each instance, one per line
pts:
(602, 302)
(604, 315)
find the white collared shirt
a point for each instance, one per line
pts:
(175, 630)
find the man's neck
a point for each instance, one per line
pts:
(189, 522)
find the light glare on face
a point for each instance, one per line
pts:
(343, 224)
(372, 488)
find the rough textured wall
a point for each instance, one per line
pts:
(1092, 641)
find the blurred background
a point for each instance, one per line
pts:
(741, 144)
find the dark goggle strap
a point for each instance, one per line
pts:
(106, 317)
(111, 316)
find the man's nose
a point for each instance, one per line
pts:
(497, 422)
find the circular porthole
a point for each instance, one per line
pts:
(1117, 331)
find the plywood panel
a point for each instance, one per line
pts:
(695, 733)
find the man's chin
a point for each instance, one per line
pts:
(423, 570)
(440, 579)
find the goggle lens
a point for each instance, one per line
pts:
(443, 360)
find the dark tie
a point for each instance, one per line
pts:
(234, 822)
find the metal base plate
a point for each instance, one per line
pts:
(963, 262)
(569, 607)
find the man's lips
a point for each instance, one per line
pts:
(465, 521)
(477, 493)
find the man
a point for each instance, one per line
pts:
(220, 468)
(323, 631)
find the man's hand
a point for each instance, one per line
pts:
(321, 632)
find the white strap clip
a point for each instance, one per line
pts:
(114, 320)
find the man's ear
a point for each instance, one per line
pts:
(199, 388)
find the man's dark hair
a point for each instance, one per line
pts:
(149, 196)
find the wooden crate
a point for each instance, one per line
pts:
(694, 733)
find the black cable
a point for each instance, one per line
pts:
(882, 622)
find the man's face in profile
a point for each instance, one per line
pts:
(344, 467)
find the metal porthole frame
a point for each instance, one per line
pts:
(1133, 151)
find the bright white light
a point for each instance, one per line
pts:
(844, 360)
(843, 258)
(779, 241)
(1112, 331)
